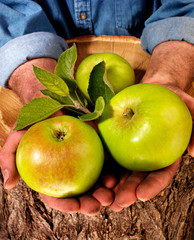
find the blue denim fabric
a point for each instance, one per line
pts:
(31, 29)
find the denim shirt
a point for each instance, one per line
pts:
(33, 29)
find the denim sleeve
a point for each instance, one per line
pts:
(21, 49)
(25, 33)
(20, 17)
(174, 20)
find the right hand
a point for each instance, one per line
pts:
(25, 84)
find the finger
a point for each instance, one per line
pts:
(13, 140)
(9, 171)
(103, 195)
(110, 172)
(8, 160)
(67, 205)
(114, 206)
(191, 145)
(189, 101)
(89, 205)
(126, 194)
(109, 180)
(156, 182)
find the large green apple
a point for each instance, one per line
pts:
(60, 157)
(119, 72)
(146, 127)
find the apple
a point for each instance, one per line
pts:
(119, 72)
(60, 157)
(146, 127)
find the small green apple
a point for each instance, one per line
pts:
(60, 157)
(119, 72)
(146, 127)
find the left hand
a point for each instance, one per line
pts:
(142, 186)
(145, 186)
(166, 68)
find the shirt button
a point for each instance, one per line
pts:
(83, 16)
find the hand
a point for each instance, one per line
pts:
(89, 203)
(166, 68)
(145, 186)
(27, 89)
(142, 186)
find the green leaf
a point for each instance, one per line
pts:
(66, 101)
(51, 81)
(62, 99)
(65, 70)
(99, 108)
(98, 86)
(37, 110)
(78, 95)
(66, 63)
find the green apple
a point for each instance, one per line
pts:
(60, 157)
(146, 127)
(119, 72)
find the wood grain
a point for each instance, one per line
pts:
(10, 106)
(127, 47)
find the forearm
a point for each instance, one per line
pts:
(23, 81)
(172, 64)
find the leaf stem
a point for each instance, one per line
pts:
(78, 106)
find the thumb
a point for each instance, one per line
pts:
(189, 101)
(191, 145)
(8, 160)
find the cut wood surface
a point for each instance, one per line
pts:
(168, 216)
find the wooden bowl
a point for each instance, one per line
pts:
(127, 47)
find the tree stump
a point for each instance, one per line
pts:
(169, 215)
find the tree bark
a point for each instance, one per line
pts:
(24, 216)
(168, 216)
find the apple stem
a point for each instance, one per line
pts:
(128, 112)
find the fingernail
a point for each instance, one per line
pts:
(5, 176)
(142, 200)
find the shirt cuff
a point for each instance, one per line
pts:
(176, 28)
(30, 46)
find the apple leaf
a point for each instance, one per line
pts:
(99, 108)
(65, 70)
(62, 99)
(97, 84)
(77, 95)
(62, 92)
(51, 81)
(37, 110)
(66, 101)
(65, 65)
